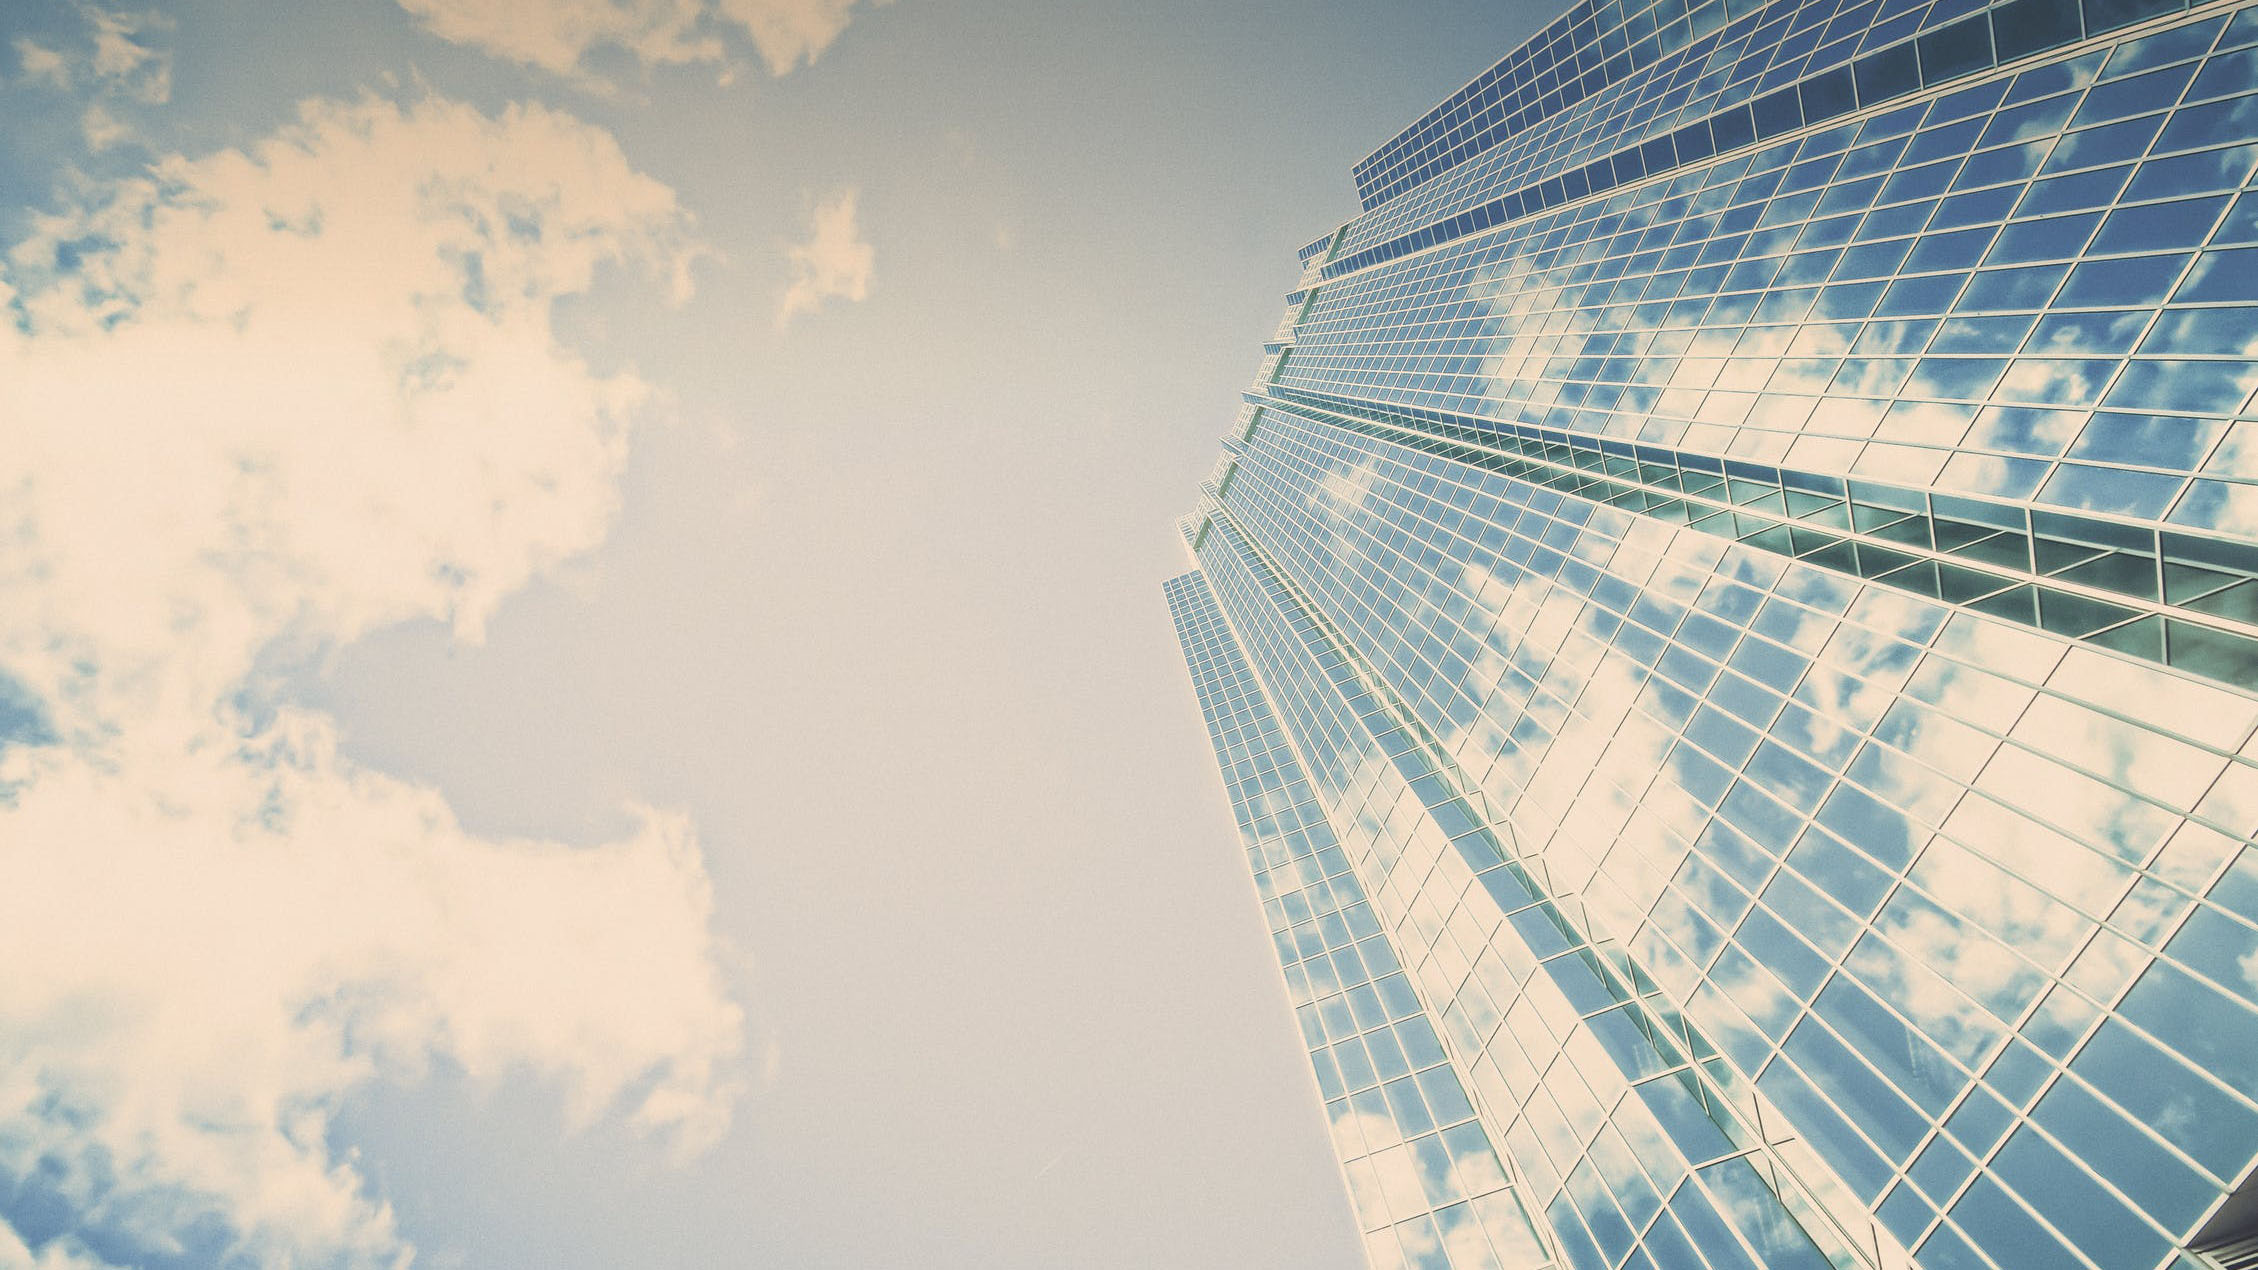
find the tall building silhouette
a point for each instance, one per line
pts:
(1729, 619)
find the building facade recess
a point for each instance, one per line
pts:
(1729, 622)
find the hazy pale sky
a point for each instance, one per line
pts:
(583, 680)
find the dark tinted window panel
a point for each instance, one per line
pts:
(1893, 72)
(2108, 15)
(2030, 26)
(1732, 128)
(1956, 50)
(1827, 95)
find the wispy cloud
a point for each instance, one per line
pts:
(37, 63)
(291, 393)
(790, 33)
(123, 61)
(558, 35)
(111, 64)
(832, 263)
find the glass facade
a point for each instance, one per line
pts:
(1729, 619)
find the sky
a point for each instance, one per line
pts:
(583, 679)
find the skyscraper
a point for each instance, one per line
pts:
(1729, 619)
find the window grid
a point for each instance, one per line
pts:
(1422, 1170)
(1403, 865)
(1709, 615)
(1250, 486)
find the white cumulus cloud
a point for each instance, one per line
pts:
(557, 35)
(291, 393)
(833, 263)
